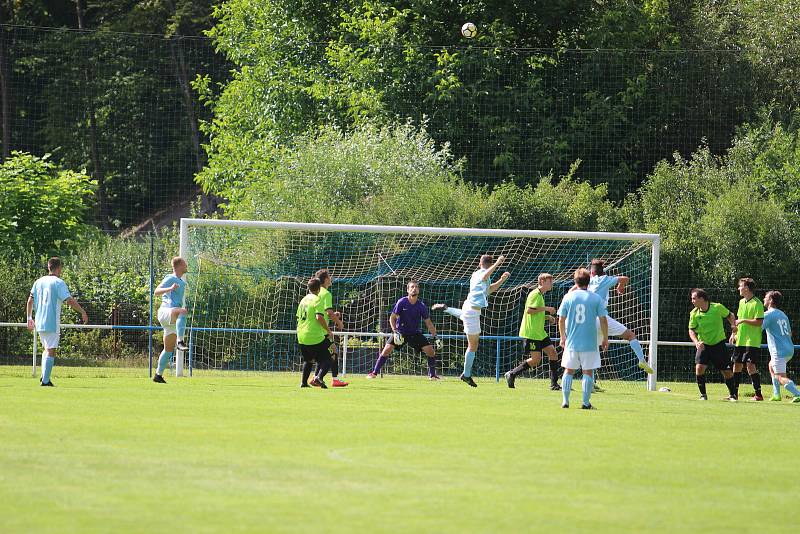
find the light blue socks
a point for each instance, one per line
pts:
(791, 388)
(637, 349)
(180, 325)
(469, 359)
(163, 361)
(776, 387)
(588, 386)
(47, 368)
(566, 387)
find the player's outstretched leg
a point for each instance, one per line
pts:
(637, 350)
(455, 312)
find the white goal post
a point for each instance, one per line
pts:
(535, 250)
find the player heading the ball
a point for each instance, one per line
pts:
(404, 322)
(480, 287)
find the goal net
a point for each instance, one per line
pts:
(246, 279)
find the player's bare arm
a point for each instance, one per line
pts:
(324, 322)
(78, 308)
(493, 267)
(161, 290)
(29, 312)
(604, 331)
(336, 317)
(697, 343)
(622, 283)
(494, 287)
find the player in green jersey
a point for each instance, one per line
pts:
(707, 332)
(747, 340)
(326, 305)
(314, 336)
(534, 335)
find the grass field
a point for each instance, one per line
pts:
(110, 451)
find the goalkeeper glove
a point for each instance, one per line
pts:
(397, 339)
(437, 343)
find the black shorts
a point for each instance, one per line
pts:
(319, 352)
(746, 355)
(714, 354)
(537, 345)
(417, 341)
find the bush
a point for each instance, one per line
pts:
(43, 207)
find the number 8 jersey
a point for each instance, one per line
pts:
(581, 309)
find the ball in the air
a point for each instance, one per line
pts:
(469, 30)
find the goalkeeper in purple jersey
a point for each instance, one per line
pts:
(404, 321)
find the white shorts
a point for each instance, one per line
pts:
(615, 328)
(778, 364)
(165, 320)
(577, 359)
(50, 339)
(471, 319)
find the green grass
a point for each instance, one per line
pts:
(109, 451)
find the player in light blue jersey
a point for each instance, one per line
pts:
(600, 284)
(781, 348)
(47, 294)
(171, 314)
(577, 317)
(480, 287)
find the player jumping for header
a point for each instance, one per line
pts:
(480, 287)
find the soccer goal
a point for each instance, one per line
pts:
(247, 277)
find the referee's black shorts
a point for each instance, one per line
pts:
(714, 355)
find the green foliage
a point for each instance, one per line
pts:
(44, 207)
(372, 175)
(565, 205)
(725, 217)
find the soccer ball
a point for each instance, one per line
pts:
(469, 30)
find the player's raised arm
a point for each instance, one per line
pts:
(494, 287)
(493, 267)
(622, 283)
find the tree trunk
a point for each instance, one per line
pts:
(98, 174)
(183, 79)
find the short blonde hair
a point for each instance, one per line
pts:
(177, 260)
(545, 276)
